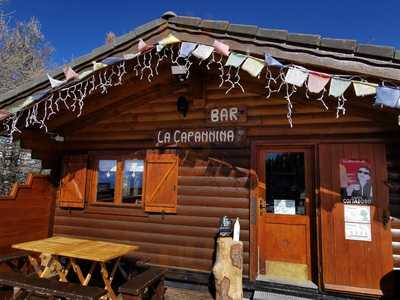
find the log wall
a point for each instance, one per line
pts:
(394, 196)
(27, 213)
(207, 190)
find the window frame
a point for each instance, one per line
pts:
(120, 157)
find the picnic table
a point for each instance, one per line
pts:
(71, 249)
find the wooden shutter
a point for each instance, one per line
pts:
(161, 182)
(73, 181)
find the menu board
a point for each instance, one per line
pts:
(357, 222)
(358, 231)
(284, 207)
(356, 213)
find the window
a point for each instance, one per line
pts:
(106, 180)
(142, 179)
(132, 181)
(118, 179)
(285, 183)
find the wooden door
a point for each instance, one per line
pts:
(351, 263)
(285, 217)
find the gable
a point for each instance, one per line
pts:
(109, 104)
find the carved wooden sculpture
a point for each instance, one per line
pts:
(228, 269)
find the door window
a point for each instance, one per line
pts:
(285, 183)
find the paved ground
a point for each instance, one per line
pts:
(186, 294)
(174, 293)
(260, 295)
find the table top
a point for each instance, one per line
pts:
(77, 248)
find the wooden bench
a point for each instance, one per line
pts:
(15, 260)
(147, 285)
(49, 288)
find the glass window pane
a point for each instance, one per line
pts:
(132, 181)
(285, 183)
(106, 180)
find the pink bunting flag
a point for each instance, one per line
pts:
(4, 114)
(221, 48)
(70, 74)
(143, 47)
(317, 81)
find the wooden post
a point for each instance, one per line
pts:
(228, 269)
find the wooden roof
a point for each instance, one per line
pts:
(377, 62)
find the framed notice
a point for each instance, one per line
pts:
(356, 182)
(357, 213)
(357, 231)
(284, 207)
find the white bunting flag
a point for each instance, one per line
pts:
(55, 82)
(296, 75)
(203, 52)
(253, 66)
(363, 88)
(338, 86)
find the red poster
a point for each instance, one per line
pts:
(355, 181)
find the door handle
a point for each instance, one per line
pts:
(385, 218)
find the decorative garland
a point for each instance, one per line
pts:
(72, 91)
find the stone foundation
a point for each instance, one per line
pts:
(15, 165)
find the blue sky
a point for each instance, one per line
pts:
(75, 27)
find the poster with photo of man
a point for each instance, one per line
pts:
(356, 182)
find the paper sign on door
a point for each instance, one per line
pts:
(357, 222)
(284, 207)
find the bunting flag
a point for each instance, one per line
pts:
(186, 49)
(364, 88)
(159, 47)
(39, 95)
(221, 48)
(129, 56)
(253, 66)
(388, 96)
(16, 107)
(4, 114)
(97, 66)
(337, 89)
(170, 39)
(203, 52)
(84, 74)
(272, 62)
(143, 47)
(338, 86)
(296, 75)
(235, 60)
(55, 82)
(112, 60)
(317, 81)
(70, 74)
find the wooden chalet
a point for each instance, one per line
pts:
(156, 163)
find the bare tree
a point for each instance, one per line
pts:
(24, 52)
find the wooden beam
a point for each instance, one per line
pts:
(117, 108)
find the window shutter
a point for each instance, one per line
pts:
(73, 181)
(161, 182)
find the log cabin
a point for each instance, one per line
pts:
(151, 142)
